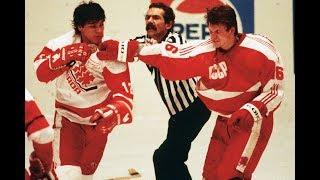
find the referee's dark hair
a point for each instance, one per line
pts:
(168, 16)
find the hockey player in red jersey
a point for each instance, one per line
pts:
(92, 96)
(241, 80)
(41, 135)
(241, 77)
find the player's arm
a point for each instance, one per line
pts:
(121, 91)
(271, 78)
(272, 93)
(173, 63)
(165, 56)
(121, 51)
(119, 108)
(36, 125)
(51, 63)
(41, 135)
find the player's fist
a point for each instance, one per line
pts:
(105, 118)
(67, 55)
(241, 119)
(249, 113)
(123, 51)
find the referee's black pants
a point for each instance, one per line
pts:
(169, 159)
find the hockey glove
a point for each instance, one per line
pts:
(247, 115)
(38, 171)
(106, 119)
(67, 55)
(124, 51)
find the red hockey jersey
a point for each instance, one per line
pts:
(250, 71)
(83, 88)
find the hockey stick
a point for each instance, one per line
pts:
(133, 174)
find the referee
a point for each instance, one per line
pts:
(187, 113)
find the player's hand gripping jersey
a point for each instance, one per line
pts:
(248, 76)
(87, 85)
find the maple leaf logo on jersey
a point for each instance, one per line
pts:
(80, 78)
(193, 6)
(82, 75)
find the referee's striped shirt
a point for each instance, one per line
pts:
(176, 95)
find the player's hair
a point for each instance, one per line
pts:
(84, 13)
(168, 16)
(223, 14)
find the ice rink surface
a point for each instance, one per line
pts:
(132, 146)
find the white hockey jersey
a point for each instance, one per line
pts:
(83, 88)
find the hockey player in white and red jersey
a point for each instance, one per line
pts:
(241, 77)
(92, 96)
(41, 134)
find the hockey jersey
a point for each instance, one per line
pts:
(250, 71)
(85, 87)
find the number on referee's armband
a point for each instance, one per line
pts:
(171, 48)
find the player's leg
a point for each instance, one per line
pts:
(169, 159)
(266, 130)
(242, 152)
(93, 151)
(67, 146)
(216, 148)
